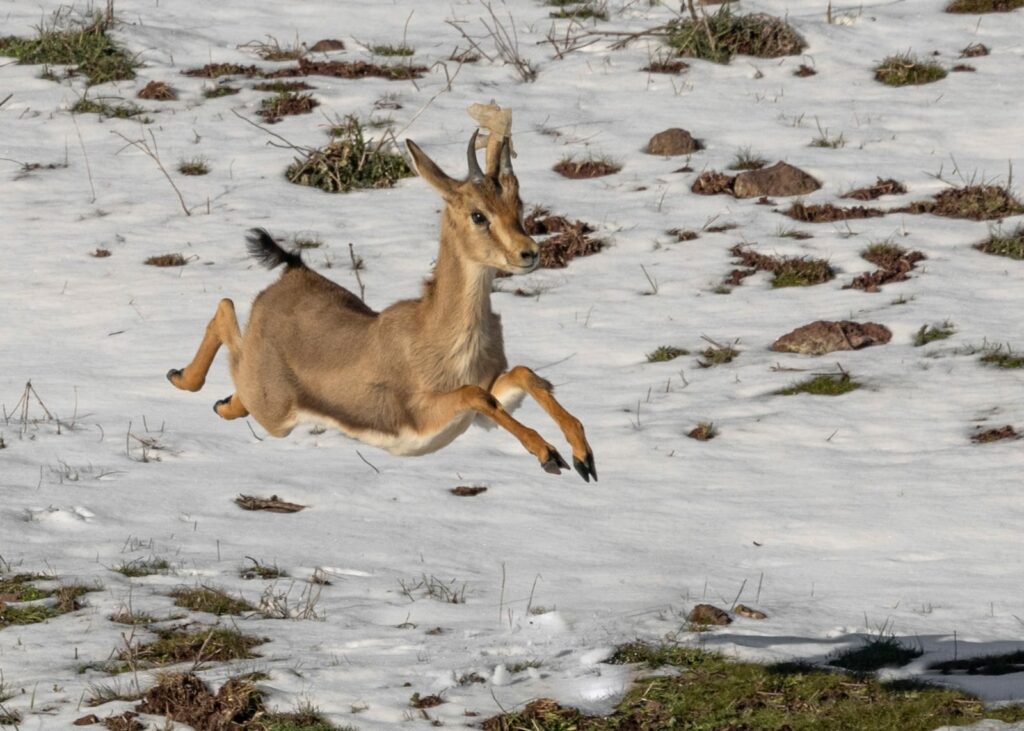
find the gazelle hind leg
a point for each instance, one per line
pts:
(522, 379)
(222, 330)
(230, 407)
(451, 405)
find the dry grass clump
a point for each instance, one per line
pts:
(999, 357)
(983, 6)
(74, 41)
(683, 234)
(721, 36)
(826, 212)
(350, 162)
(158, 91)
(167, 260)
(826, 384)
(665, 353)
(271, 50)
(392, 49)
(703, 432)
(107, 109)
(712, 182)
(880, 188)
(272, 504)
(359, 70)
(216, 70)
(974, 202)
(216, 644)
(579, 9)
(210, 600)
(747, 160)
(793, 271)
(590, 167)
(219, 91)
(286, 103)
(1009, 245)
(281, 87)
(905, 69)
(566, 239)
(195, 166)
(973, 50)
(665, 65)
(930, 333)
(716, 354)
(803, 71)
(100, 253)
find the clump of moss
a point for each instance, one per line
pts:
(822, 385)
(349, 162)
(665, 353)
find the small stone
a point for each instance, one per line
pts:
(706, 614)
(672, 141)
(781, 179)
(823, 336)
(750, 613)
(86, 720)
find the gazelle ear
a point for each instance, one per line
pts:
(429, 171)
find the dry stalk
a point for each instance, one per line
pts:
(153, 153)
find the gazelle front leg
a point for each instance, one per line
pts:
(222, 330)
(453, 404)
(522, 380)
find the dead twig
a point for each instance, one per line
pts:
(153, 153)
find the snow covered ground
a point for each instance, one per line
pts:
(838, 517)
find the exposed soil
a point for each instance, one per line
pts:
(359, 70)
(973, 202)
(327, 44)
(184, 698)
(467, 490)
(804, 71)
(712, 182)
(216, 70)
(708, 614)
(568, 239)
(273, 504)
(788, 271)
(894, 265)
(167, 260)
(880, 188)
(666, 67)
(974, 50)
(994, 435)
(577, 169)
(826, 212)
(683, 234)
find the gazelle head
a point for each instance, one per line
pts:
(484, 211)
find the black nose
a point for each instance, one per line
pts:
(529, 257)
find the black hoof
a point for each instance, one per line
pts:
(222, 402)
(173, 373)
(586, 468)
(554, 463)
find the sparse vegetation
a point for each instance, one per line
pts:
(931, 333)
(195, 166)
(793, 271)
(63, 599)
(167, 260)
(880, 188)
(722, 35)
(716, 354)
(431, 587)
(106, 109)
(215, 644)
(278, 86)
(79, 41)
(259, 570)
(210, 600)
(392, 49)
(712, 692)
(831, 142)
(580, 9)
(882, 651)
(975, 202)
(286, 103)
(827, 213)
(996, 434)
(825, 384)
(1009, 245)
(350, 161)
(747, 160)
(665, 353)
(999, 356)
(143, 567)
(219, 91)
(905, 69)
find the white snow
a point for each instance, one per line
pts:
(837, 517)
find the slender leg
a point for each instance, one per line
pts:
(222, 330)
(446, 407)
(231, 407)
(522, 378)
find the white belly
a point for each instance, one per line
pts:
(407, 443)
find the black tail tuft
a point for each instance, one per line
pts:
(268, 252)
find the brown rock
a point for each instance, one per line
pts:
(781, 179)
(672, 141)
(327, 44)
(707, 614)
(86, 720)
(749, 612)
(824, 336)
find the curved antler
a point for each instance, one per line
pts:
(474, 165)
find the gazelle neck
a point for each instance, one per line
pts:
(458, 300)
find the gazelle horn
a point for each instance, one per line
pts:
(474, 165)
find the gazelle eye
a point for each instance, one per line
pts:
(478, 218)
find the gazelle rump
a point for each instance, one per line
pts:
(412, 377)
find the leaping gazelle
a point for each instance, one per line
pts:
(410, 378)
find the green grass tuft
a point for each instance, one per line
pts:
(195, 166)
(388, 49)
(747, 160)
(82, 42)
(349, 162)
(143, 567)
(906, 69)
(931, 333)
(998, 357)
(1008, 245)
(822, 385)
(216, 644)
(106, 109)
(721, 36)
(665, 353)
